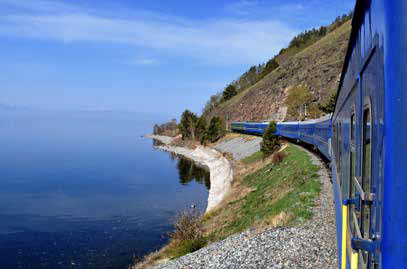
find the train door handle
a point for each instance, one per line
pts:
(368, 245)
(365, 196)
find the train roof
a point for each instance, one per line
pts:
(287, 122)
(324, 118)
(321, 119)
(312, 121)
(251, 122)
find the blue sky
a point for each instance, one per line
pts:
(145, 56)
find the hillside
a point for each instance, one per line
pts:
(314, 72)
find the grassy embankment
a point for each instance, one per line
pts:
(276, 194)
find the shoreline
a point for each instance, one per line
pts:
(221, 173)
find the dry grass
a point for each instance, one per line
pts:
(187, 226)
(278, 157)
(188, 236)
(152, 259)
(179, 142)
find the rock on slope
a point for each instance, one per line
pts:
(318, 67)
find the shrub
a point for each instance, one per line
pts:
(187, 236)
(270, 141)
(330, 106)
(278, 157)
(216, 129)
(229, 92)
(187, 226)
(313, 112)
(296, 100)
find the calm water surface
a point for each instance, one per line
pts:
(84, 190)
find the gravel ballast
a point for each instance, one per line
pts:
(240, 147)
(311, 245)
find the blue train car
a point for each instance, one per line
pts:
(306, 131)
(322, 135)
(316, 132)
(369, 132)
(238, 126)
(288, 129)
(256, 128)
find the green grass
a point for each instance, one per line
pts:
(290, 187)
(257, 156)
(185, 247)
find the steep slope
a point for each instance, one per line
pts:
(317, 68)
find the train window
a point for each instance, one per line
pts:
(366, 176)
(352, 166)
(366, 167)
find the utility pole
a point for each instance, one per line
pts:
(226, 123)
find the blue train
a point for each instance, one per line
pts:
(365, 139)
(314, 132)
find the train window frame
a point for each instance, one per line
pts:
(367, 106)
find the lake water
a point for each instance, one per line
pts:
(84, 190)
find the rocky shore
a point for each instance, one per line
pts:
(221, 173)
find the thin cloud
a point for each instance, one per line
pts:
(143, 61)
(227, 40)
(40, 6)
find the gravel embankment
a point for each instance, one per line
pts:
(240, 147)
(312, 245)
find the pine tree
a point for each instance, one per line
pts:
(229, 92)
(216, 129)
(188, 125)
(270, 141)
(200, 128)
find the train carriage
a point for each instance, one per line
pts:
(249, 127)
(322, 135)
(288, 129)
(306, 131)
(370, 126)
